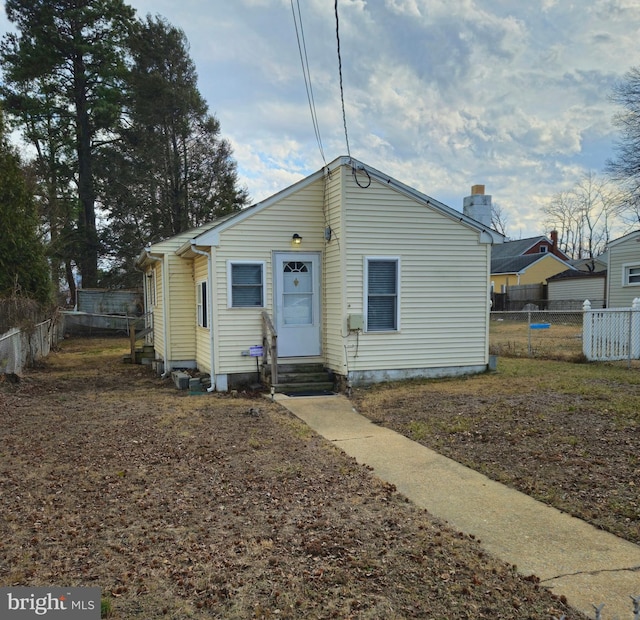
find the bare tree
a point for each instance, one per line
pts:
(499, 219)
(626, 167)
(585, 216)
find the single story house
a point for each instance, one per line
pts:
(531, 245)
(524, 269)
(623, 269)
(568, 290)
(353, 270)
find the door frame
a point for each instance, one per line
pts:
(279, 257)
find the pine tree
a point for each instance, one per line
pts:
(171, 170)
(23, 267)
(63, 71)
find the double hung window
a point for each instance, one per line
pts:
(246, 285)
(382, 297)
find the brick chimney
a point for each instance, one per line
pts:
(478, 205)
(554, 240)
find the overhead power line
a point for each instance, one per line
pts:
(304, 60)
(344, 115)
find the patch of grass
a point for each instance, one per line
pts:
(418, 430)
(459, 424)
(555, 430)
(106, 610)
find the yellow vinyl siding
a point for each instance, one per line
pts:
(541, 270)
(182, 308)
(443, 282)
(537, 273)
(179, 305)
(333, 282)
(157, 309)
(202, 334)
(255, 239)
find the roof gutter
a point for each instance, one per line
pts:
(195, 250)
(165, 352)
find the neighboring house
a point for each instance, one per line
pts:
(526, 262)
(522, 270)
(368, 276)
(569, 290)
(623, 269)
(531, 245)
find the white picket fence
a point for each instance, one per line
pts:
(611, 334)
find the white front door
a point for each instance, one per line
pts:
(297, 303)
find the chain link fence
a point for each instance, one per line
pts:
(544, 334)
(20, 348)
(598, 610)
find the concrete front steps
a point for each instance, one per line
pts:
(301, 378)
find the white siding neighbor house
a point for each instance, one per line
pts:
(356, 271)
(623, 271)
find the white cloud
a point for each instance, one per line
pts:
(440, 94)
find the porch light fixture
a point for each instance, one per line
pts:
(296, 239)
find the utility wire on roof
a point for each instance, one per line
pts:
(344, 115)
(304, 60)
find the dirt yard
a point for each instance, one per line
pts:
(210, 506)
(564, 433)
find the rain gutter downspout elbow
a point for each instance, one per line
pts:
(195, 250)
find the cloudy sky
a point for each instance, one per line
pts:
(440, 94)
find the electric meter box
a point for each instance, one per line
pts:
(355, 322)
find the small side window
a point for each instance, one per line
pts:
(201, 304)
(632, 273)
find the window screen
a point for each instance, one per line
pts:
(382, 295)
(246, 285)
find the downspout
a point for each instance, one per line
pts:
(195, 250)
(165, 352)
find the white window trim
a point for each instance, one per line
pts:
(202, 305)
(263, 266)
(625, 274)
(365, 304)
(152, 293)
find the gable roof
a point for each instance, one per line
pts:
(518, 247)
(576, 274)
(518, 264)
(210, 235)
(589, 265)
(628, 237)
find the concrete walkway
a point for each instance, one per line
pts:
(570, 557)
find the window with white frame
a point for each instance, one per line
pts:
(544, 249)
(631, 275)
(246, 284)
(201, 304)
(382, 294)
(151, 288)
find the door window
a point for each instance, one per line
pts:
(297, 295)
